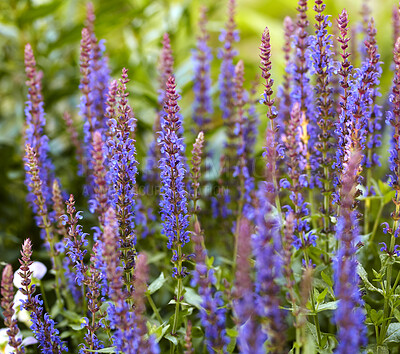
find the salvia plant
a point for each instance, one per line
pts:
(292, 249)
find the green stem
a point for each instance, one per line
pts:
(55, 260)
(154, 308)
(376, 224)
(179, 288)
(367, 201)
(316, 320)
(386, 304)
(239, 215)
(46, 305)
(326, 209)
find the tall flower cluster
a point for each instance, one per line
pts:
(302, 90)
(285, 89)
(202, 105)
(247, 312)
(126, 337)
(34, 128)
(373, 64)
(266, 249)
(322, 61)
(122, 170)
(100, 202)
(342, 125)
(43, 326)
(228, 37)
(241, 170)
(76, 240)
(296, 162)
(212, 313)
(7, 293)
(272, 150)
(349, 316)
(174, 212)
(99, 75)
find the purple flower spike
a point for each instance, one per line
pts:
(344, 116)
(202, 106)
(212, 313)
(227, 72)
(267, 246)
(246, 302)
(34, 129)
(349, 316)
(174, 212)
(7, 293)
(43, 326)
(122, 170)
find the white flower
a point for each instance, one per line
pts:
(24, 317)
(3, 336)
(39, 271)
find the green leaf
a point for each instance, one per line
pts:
(364, 276)
(232, 332)
(232, 345)
(192, 298)
(327, 279)
(396, 313)
(160, 331)
(172, 339)
(156, 284)
(75, 327)
(376, 317)
(321, 297)
(377, 349)
(331, 305)
(72, 316)
(393, 333)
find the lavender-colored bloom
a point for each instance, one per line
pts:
(151, 173)
(94, 280)
(251, 338)
(202, 105)
(349, 316)
(212, 313)
(99, 78)
(250, 132)
(174, 212)
(127, 336)
(284, 90)
(373, 64)
(100, 201)
(7, 293)
(267, 246)
(227, 71)
(76, 240)
(94, 87)
(122, 172)
(344, 116)
(272, 149)
(70, 278)
(296, 162)
(302, 92)
(241, 170)
(322, 60)
(42, 324)
(34, 129)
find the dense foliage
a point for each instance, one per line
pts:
(189, 245)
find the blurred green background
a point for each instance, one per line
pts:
(132, 30)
